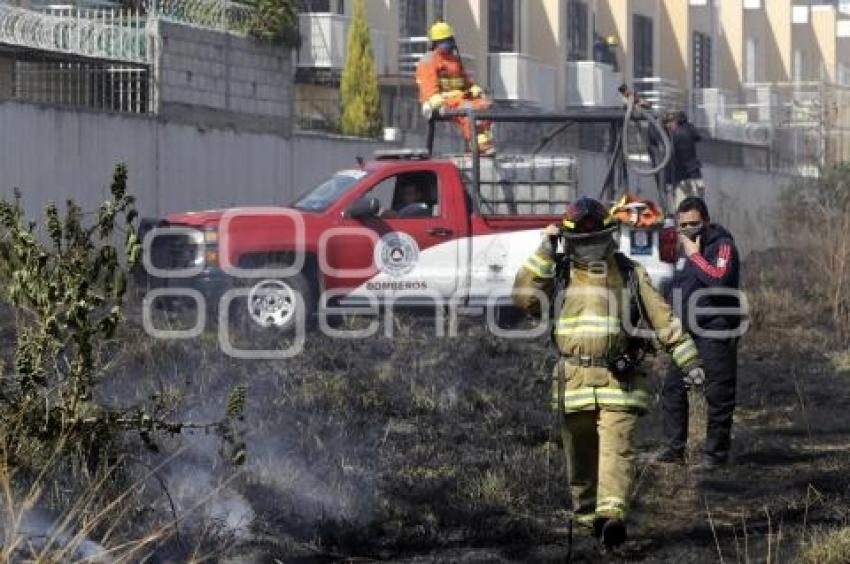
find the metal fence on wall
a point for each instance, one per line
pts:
(95, 58)
(804, 125)
(221, 15)
(93, 85)
(105, 34)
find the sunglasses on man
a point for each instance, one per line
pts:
(689, 224)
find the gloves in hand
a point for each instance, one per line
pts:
(547, 243)
(695, 377)
(427, 110)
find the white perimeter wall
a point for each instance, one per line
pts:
(58, 154)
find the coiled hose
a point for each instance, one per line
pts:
(620, 150)
(653, 121)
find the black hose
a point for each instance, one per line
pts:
(547, 138)
(653, 122)
(616, 153)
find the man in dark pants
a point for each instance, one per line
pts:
(684, 173)
(708, 262)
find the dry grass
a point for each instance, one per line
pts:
(29, 533)
(826, 546)
(386, 448)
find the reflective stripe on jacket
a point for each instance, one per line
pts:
(589, 324)
(439, 72)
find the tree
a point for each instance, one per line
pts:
(275, 21)
(361, 97)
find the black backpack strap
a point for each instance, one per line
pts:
(627, 271)
(562, 280)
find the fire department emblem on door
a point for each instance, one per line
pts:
(396, 253)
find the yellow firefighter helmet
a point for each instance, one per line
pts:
(440, 31)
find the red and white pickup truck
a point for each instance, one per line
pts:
(407, 228)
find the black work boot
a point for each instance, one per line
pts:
(612, 533)
(598, 525)
(709, 462)
(669, 455)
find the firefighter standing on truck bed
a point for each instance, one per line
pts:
(599, 387)
(443, 83)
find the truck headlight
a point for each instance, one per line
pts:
(206, 244)
(206, 236)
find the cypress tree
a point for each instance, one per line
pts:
(360, 94)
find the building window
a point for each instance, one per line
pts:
(503, 26)
(324, 6)
(413, 16)
(702, 60)
(438, 10)
(843, 74)
(642, 46)
(800, 14)
(800, 65)
(577, 31)
(751, 54)
(317, 6)
(416, 16)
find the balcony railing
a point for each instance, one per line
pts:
(324, 39)
(662, 93)
(707, 104)
(590, 83)
(411, 49)
(520, 78)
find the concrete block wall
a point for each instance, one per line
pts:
(7, 76)
(216, 79)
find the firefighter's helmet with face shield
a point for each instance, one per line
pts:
(587, 227)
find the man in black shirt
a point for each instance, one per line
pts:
(684, 173)
(705, 297)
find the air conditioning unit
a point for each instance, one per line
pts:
(590, 83)
(392, 134)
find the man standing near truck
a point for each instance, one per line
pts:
(685, 170)
(443, 83)
(599, 387)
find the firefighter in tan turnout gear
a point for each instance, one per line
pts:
(599, 387)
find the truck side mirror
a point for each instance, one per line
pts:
(363, 208)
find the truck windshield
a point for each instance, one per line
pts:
(328, 192)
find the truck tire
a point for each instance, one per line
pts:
(508, 316)
(275, 304)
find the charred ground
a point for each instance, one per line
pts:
(422, 448)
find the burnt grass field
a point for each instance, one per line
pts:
(436, 449)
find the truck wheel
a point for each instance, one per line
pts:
(276, 304)
(508, 316)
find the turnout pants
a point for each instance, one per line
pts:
(600, 461)
(483, 134)
(720, 361)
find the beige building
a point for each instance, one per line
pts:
(546, 53)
